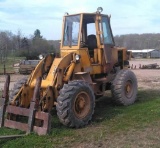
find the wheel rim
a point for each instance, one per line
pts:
(129, 89)
(82, 105)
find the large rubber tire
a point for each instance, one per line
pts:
(75, 104)
(124, 88)
(17, 87)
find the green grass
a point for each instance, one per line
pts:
(9, 64)
(118, 125)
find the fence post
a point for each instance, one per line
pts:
(4, 68)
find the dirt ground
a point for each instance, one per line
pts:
(14, 78)
(147, 78)
(138, 62)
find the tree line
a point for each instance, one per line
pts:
(19, 45)
(132, 41)
(139, 41)
(31, 47)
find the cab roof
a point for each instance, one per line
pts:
(94, 13)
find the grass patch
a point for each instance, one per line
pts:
(9, 64)
(110, 124)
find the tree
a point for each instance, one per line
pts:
(5, 44)
(37, 34)
(39, 45)
(24, 43)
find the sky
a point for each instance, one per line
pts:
(127, 16)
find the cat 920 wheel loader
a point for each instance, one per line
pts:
(89, 64)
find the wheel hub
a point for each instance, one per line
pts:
(128, 89)
(80, 103)
(81, 108)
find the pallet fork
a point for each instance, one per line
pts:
(31, 113)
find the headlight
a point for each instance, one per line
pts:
(77, 57)
(99, 9)
(41, 57)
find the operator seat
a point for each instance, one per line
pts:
(92, 44)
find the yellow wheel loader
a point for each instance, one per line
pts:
(89, 64)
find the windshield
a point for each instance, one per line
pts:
(71, 30)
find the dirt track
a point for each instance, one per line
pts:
(147, 78)
(14, 78)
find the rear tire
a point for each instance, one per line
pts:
(76, 104)
(124, 88)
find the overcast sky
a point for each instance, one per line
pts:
(128, 16)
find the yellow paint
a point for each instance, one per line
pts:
(69, 72)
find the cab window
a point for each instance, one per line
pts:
(91, 29)
(71, 30)
(107, 35)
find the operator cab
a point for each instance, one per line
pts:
(90, 31)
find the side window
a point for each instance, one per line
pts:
(71, 30)
(75, 33)
(91, 29)
(107, 36)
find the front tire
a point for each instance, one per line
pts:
(124, 88)
(75, 104)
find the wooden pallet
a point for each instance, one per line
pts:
(31, 113)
